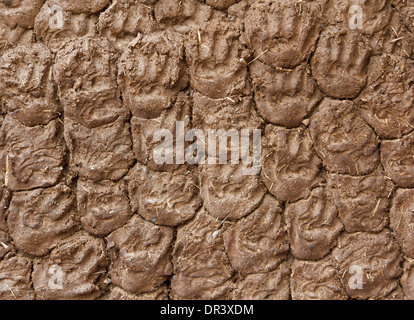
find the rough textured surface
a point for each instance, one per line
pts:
(117, 293)
(215, 55)
(140, 255)
(21, 13)
(164, 198)
(124, 19)
(224, 113)
(79, 6)
(88, 212)
(37, 220)
(407, 280)
(152, 72)
(81, 260)
(184, 15)
(4, 201)
(273, 285)
(33, 156)
(143, 132)
(402, 219)
(85, 71)
(398, 160)
(362, 201)
(283, 33)
(316, 280)
(257, 243)
(228, 193)
(387, 101)
(28, 93)
(313, 225)
(103, 206)
(5, 244)
(15, 278)
(379, 258)
(103, 153)
(377, 14)
(340, 63)
(55, 26)
(201, 267)
(284, 98)
(290, 166)
(344, 142)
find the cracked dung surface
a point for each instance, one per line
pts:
(86, 212)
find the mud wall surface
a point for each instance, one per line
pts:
(87, 210)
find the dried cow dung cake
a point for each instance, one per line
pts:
(162, 197)
(15, 282)
(85, 71)
(312, 225)
(124, 19)
(217, 60)
(385, 41)
(402, 219)
(26, 88)
(201, 267)
(284, 98)
(316, 280)
(290, 166)
(152, 72)
(362, 201)
(387, 101)
(72, 270)
(369, 264)
(38, 219)
(143, 131)
(273, 285)
(282, 34)
(258, 242)
(103, 206)
(222, 120)
(33, 156)
(397, 157)
(344, 142)
(140, 257)
(340, 63)
(228, 193)
(103, 153)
